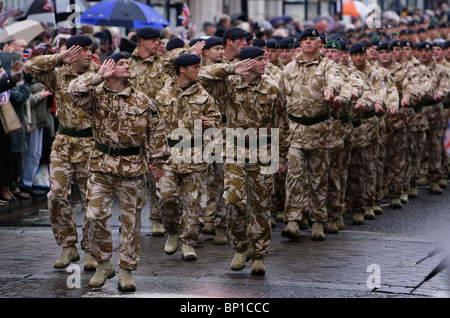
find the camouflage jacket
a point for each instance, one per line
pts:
(182, 110)
(46, 70)
(169, 65)
(440, 82)
(148, 75)
(123, 119)
(251, 108)
(303, 85)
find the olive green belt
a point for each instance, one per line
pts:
(368, 114)
(72, 132)
(117, 151)
(308, 121)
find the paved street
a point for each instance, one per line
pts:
(343, 266)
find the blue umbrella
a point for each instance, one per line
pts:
(123, 13)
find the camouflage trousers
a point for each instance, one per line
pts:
(155, 209)
(409, 148)
(247, 197)
(361, 183)
(433, 148)
(180, 196)
(395, 162)
(415, 142)
(307, 184)
(279, 193)
(380, 155)
(337, 182)
(215, 206)
(59, 205)
(131, 194)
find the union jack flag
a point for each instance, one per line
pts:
(49, 6)
(38, 49)
(185, 15)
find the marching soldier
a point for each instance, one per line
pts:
(310, 84)
(71, 147)
(129, 136)
(149, 75)
(183, 103)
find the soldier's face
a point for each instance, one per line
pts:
(215, 53)
(358, 59)
(273, 55)
(286, 55)
(425, 55)
(344, 57)
(371, 52)
(151, 45)
(85, 57)
(438, 53)
(398, 53)
(260, 66)
(407, 52)
(310, 45)
(238, 44)
(422, 36)
(447, 53)
(385, 56)
(122, 69)
(191, 72)
(333, 54)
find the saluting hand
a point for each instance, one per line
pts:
(69, 56)
(107, 68)
(242, 67)
(197, 48)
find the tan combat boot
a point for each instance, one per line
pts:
(258, 268)
(209, 229)
(280, 216)
(413, 192)
(126, 282)
(395, 203)
(377, 210)
(443, 183)
(358, 219)
(171, 244)
(423, 181)
(330, 227)
(435, 188)
(404, 197)
(104, 271)
(89, 262)
(340, 223)
(291, 231)
(238, 262)
(221, 236)
(317, 232)
(69, 254)
(157, 229)
(188, 252)
(369, 214)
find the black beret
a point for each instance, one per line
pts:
(250, 52)
(421, 29)
(397, 43)
(440, 44)
(148, 33)
(187, 59)
(212, 41)
(117, 56)
(358, 47)
(127, 45)
(195, 41)
(443, 24)
(259, 42)
(79, 39)
(174, 43)
(447, 44)
(375, 42)
(367, 43)
(324, 39)
(403, 32)
(385, 45)
(407, 43)
(311, 32)
(250, 36)
(272, 44)
(276, 38)
(432, 26)
(286, 43)
(424, 45)
(412, 31)
(234, 33)
(345, 46)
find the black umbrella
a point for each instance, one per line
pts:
(42, 8)
(439, 268)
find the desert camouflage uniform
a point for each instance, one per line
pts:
(352, 82)
(311, 141)
(181, 187)
(149, 76)
(169, 66)
(120, 120)
(69, 154)
(436, 120)
(396, 131)
(249, 184)
(446, 102)
(360, 191)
